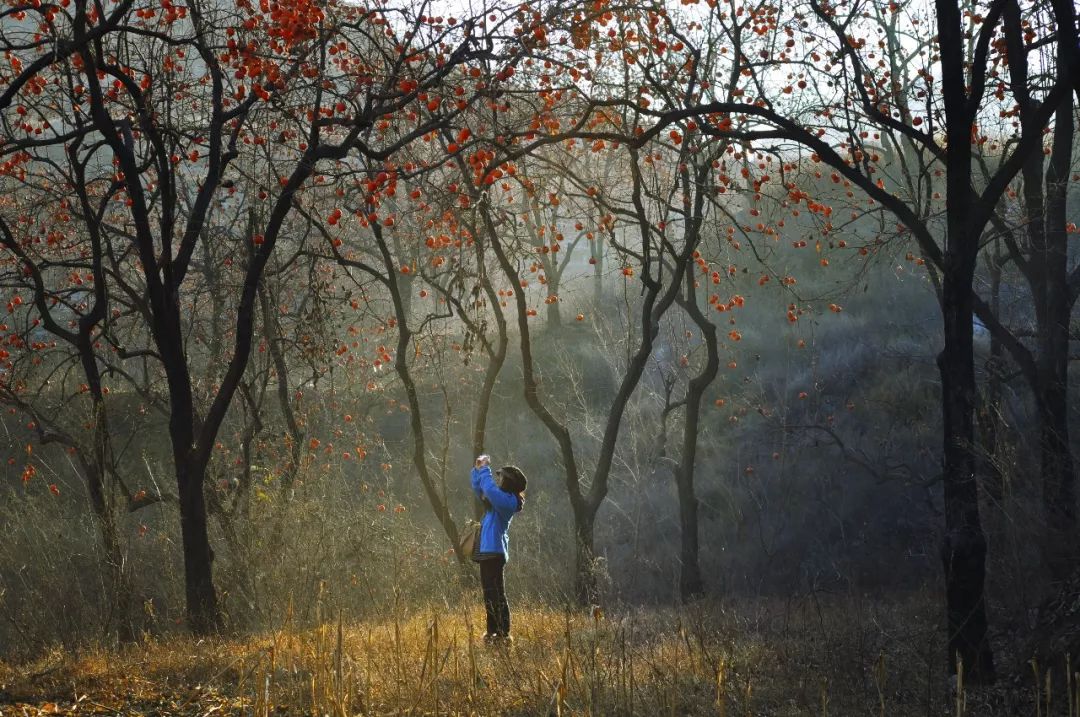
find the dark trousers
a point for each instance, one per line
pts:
(498, 610)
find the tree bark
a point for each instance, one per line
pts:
(691, 584)
(1059, 492)
(586, 585)
(1059, 475)
(963, 549)
(964, 546)
(202, 606)
(105, 511)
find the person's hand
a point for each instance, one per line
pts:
(482, 460)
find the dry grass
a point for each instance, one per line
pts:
(853, 656)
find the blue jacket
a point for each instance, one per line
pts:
(493, 529)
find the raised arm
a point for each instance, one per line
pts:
(500, 499)
(478, 474)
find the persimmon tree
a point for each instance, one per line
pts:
(1038, 247)
(659, 261)
(1029, 225)
(385, 266)
(676, 204)
(475, 303)
(570, 117)
(555, 228)
(807, 81)
(399, 229)
(124, 106)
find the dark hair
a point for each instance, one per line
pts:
(513, 480)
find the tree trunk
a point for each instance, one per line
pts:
(963, 549)
(586, 585)
(202, 606)
(104, 509)
(554, 279)
(690, 583)
(1059, 493)
(1059, 478)
(401, 366)
(119, 581)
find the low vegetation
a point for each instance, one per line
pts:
(814, 655)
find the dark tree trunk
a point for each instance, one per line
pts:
(190, 465)
(690, 583)
(436, 498)
(1059, 492)
(963, 550)
(1059, 476)
(162, 290)
(1045, 199)
(202, 607)
(586, 585)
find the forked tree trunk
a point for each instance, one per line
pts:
(436, 498)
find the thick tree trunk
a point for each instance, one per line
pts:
(1059, 476)
(963, 550)
(119, 582)
(190, 465)
(1046, 206)
(1059, 492)
(586, 585)
(691, 585)
(202, 607)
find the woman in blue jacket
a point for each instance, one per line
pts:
(503, 496)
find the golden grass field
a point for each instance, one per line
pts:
(771, 657)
